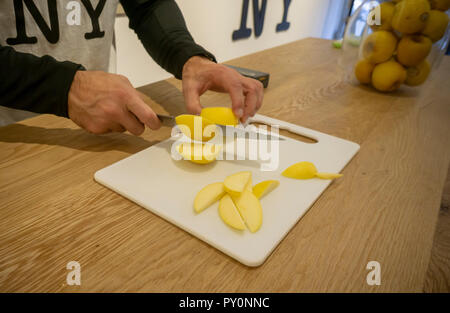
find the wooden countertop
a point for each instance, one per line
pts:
(384, 209)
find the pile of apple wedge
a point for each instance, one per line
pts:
(239, 205)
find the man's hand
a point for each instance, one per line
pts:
(101, 102)
(201, 74)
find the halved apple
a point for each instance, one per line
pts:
(263, 188)
(250, 210)
(236, 183)
(220, 115)
(207, 196)
(200, 153)
(196, 127)
(229, 213)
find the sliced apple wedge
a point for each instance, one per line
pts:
(229, 213)
(301, 170)
(250, 210)
(199, 153)
(236, 183)
(307, 170)
(207, 196)
(328, 175)
(264, 187)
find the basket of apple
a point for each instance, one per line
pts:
(388, 44)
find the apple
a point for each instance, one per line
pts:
(196, 127)
(229, 213)
(363, 71)
(263, 188)
(250, 209)
(236, 183)
(328, 175)
(307, 170)
(199, 153)
(379, 46)
(207, 196)
(220, 115)
(301, 170)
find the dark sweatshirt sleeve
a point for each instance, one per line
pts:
(162, 30)
(36, 84)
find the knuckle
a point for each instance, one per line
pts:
(122, 93)
(221, 69)
(252, 88)
(138, 130)
(111, 111)
(236, 84)
(96, 129)
(123, 78)
(149, 117)
(259, 86)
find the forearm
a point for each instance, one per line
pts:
(161, 28)
(35, 84)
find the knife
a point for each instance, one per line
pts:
(169, 121)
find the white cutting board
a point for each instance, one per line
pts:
(153, 180)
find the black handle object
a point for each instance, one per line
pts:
(261, 76)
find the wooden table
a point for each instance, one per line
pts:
(384, 209)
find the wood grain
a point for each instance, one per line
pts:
(438, 273)
(384, 209)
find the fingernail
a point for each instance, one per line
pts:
(239, 113)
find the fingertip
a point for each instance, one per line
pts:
(196, 110)
(154, 122)
(239, 112)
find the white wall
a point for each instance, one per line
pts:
(212, 22)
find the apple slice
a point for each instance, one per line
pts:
(199, 153)
(301, 170)
(236, 183)
(250, 210)
(307, 170)
(328, 175)
(207, 196)
(229, 213)
(263, 188)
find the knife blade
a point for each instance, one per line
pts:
(169, 121)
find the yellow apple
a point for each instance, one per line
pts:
(386, 13)
(410, 16)
(230, 214)
(196, 127)
(379, 46)
(207, 196)
(436, 25)
(441, 5)
(363, 71)
(307, 170)
(236, 183)
(220, 115)
(328, 175)
(263, 188)
(413, 49)
(199, 153)
(417, 75)
(250, 209)
(388, 76)
(301, 170)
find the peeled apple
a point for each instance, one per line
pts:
(220, 115)
(307, 170)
